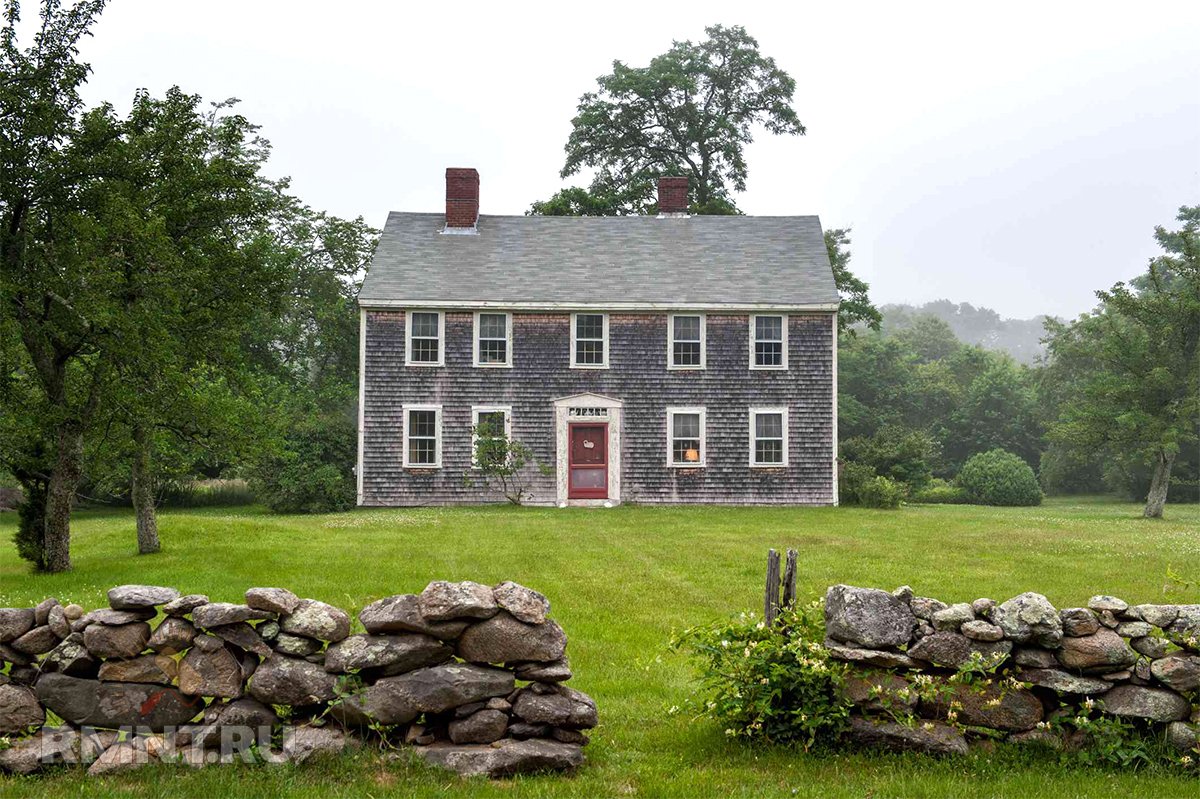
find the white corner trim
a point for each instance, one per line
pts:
(362, 401)
(575, 327)
(754, 412)
(751, 335)
(437, 447)
(834, 319)
(508, 347)
(671, 365)
(672, 412)
(408, 337)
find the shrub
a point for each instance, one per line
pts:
(881, 492)
(898, 453)
(851, 478)
(311, 470)
(940, 492)
(772, 684)
(998, 477)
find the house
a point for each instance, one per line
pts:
(651, 359)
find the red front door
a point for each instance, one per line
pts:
(588, 462)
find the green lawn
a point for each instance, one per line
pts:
(621, 581)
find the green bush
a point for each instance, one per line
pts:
(881, 492)
(851, 478)
(772, 684)
(940, 492)
(999, 477)
(311, 470)
(895, 452)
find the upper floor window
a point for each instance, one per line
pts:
(685, 436)
(493, 339)
(768, 342)
(768, 437)
(686, 345)
(589, 341)
(423, 436)
(425, 332)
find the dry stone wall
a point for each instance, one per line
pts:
(1033, 668)
(473, 677)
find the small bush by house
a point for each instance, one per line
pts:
(940, 492)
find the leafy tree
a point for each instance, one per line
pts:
(856, 307)
(900, 454)
(690, 112)
(309, 466)
(1126, 373)
(504, 462)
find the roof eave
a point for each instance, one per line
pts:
(478, 305)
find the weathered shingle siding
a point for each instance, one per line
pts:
(638, 376)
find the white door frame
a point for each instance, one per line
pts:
(583, 408)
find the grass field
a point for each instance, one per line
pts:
(621, 582)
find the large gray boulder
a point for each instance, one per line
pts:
(71, 657)
(135, 597)
(115, 704)
(1064, 682)
(15, 622)
(504, 639)
(243, 636)
(1103, 650)
(1158, 615)
(121, 641)
(112, 618)
(1178, 672)
(218, 614)
(1182, 736)
(951, 650)
(446, 601)
(214, 673)
(994, 706)
(931, 737)
(319, 620)
(1029, 618)
(523, 603)
(172, 636)
(1152, 704)
(283, 680)
(272, 600)
(37, 641)
(435, 689)
(953, 617)
(1078, 622)
(482, 727)
(562, 707)
(503, 758)
(402, 613)
(154, 669)
(184, 604)
(19, 710)
(397, 653)
(867, 617)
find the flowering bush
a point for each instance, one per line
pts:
(771, 683)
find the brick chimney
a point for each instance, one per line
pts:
(672, 195)
(462, 198)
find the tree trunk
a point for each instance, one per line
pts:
(143, 493)
(1159, 484)
(60, 494)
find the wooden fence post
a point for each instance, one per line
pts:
(789, 581)
(771, 602)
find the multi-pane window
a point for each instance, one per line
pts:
(490, 426)
(686, 341)
(768, 342)
(685, 436)
(423, 436)
(589, 340)
(425, 338)
(768, 436)
(492, 339)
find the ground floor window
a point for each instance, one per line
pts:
(685, 436)
(491, 427)
(768, 436)
(423, 436)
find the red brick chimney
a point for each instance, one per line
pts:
(462, 197)
(672, 195)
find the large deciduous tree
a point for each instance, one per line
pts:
(856, 307)
(690, 112)
(1127, 374)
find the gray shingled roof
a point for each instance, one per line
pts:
(619, 261)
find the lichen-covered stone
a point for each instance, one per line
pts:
(953, 617)
(115, 704)
(1064, 682)
(172, 636)
(19, 710)
(1110, 603)
(1153, 704)
(504, 758)
(402, 613)
(184, 604)
(218, 614)
(272, 600)
(397, 653)
(1078, 622)
(436, 689)
(1102, 650)
(504, 639)
(1178, 672)
(216, 673)
(872, 657)
(135, 597)
(995, 706)
(523, 603)
(1029, 618)
(951, 650)
(979, 630)
(156, 669)
(283, 680)
(319, 620)
(867, 617)
(446, 601)
(930, 737)
(120, 641)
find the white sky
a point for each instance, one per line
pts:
(1013, 155)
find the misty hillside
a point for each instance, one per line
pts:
(1021, 338)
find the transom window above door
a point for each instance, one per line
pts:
(589, 341)
(424, 332)
(686, 341)
(768, 342)
(493, 339)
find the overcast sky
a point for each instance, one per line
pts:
(1013, 155)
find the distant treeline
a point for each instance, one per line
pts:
(1020, 338)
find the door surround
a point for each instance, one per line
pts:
(596, 409)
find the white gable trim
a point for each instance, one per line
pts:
(724, 307)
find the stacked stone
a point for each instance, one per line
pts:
(1138, 662)
(439, 670)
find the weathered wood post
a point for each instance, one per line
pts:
(789, 581)
(771, 602)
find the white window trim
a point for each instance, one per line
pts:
(408, 326)
(752, 332)
(478, 409)
(437, 464)
(672, 411)
(671, 365)
(508, 347)
(754, 412)
(575, 327)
